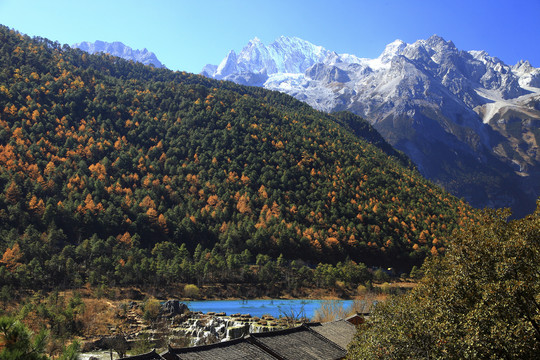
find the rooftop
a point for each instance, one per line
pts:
(234, 349)
(299, 343)
(340, 332)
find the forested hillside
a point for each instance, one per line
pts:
(115, 172)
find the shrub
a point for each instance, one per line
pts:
(152, 309)
(361, 290)
(364, 304)
(386, 288)
(191, 291)
(380, 275)
(329, 311)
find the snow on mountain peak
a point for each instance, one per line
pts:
(529, 76)
(478, 54)
(227, 65)
(484, 57)
(395, 48)
(461, 72)
(284, 55)
(437, 43)
(117, 48)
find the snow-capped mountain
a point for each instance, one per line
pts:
(257, 61)
(469, 121)
(119, 49)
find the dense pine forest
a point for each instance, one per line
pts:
(112, 172)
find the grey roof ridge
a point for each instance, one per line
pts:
(293, 330)
(142, 356)
(263, 347)
(324, 338)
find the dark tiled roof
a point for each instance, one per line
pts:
(357, 319)
(340, 332)
(299, 343)
(168, 355)
(152, 355)
(235, 349)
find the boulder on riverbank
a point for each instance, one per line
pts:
(174, 307)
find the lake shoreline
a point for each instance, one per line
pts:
(110, 311)
(257, 308)
(212, 292)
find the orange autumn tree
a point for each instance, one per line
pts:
(13, 193)
(11, 257)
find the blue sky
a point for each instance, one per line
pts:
(186, 35)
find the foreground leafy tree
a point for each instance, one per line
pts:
(480, 301)
(18, 343)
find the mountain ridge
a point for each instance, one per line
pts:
(117, 48)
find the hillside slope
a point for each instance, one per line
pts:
(103, 160)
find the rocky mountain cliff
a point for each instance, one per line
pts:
(469, 121)
(119, 49)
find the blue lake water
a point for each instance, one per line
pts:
(276, 307)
